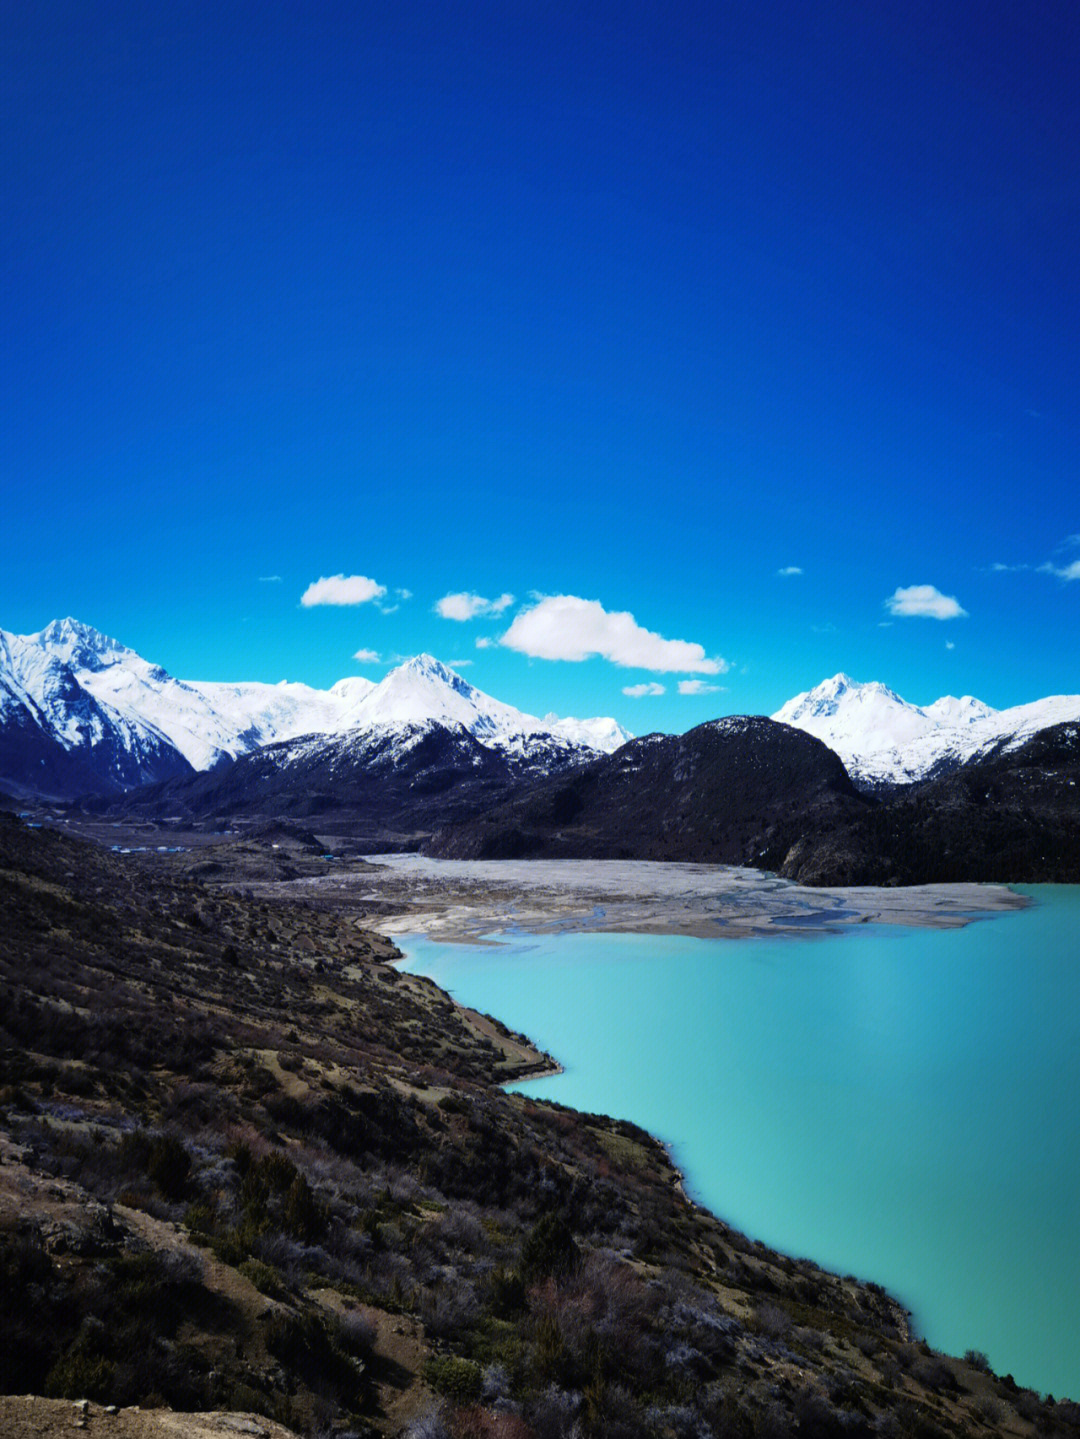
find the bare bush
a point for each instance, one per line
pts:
(431, 1424)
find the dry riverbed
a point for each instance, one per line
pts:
(468, 899)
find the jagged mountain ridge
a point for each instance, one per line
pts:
(885, 740)
(80, 713)
(386, 785)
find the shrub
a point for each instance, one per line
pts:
(460, 1380)
(549, 1249)
(506, 1294)
(265, 1278)
(304, 1344)
(168, 1165)
(303, 1216)
(81, 1376)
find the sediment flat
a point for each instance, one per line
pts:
(458, 900)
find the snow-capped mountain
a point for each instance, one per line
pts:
(424, 689)
(57, 738)
(884, 739)
(81, 712)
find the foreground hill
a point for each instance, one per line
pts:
(248, 1167)
(733, 791)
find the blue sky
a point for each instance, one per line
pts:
(635, 305)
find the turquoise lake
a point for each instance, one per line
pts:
(899, 1104)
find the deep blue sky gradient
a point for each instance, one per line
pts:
(634, 302)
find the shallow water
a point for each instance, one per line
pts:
(903, 1105)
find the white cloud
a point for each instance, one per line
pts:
(367, 657)
(698, 687)
(342, 590)
(638, 692)
(927, 601)
(1063, 572)
(790, 570)
(485, 642)
(403, 594)
(459, 664)
(564, 627)
(269, 579)
(464, 606)
(950, 644)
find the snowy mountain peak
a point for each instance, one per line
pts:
(884, 739)
(423, 688)
(427, 667)
(836, 695)
(965, 710)
(78, 644)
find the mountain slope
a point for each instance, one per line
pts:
(733, 791)
(884, 740)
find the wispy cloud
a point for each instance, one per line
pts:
(485, 642)
(565, 627)
(925, 601)
(269, 579)
(639, 692)
(790, 570)
(698, 687)
(950, 644)
(367, 657)
(465, 606)
(401, 596)
(342, 590)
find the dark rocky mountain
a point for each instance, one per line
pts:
(389, 784)
(751, 791)
(1011, 817)
(733, 791)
